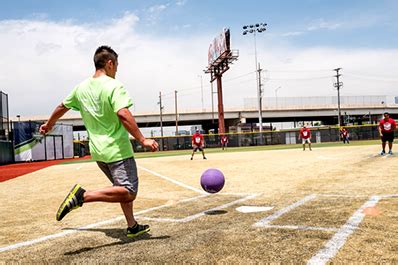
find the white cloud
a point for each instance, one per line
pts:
(157, 8)
(181, 2)
(154, 13)
(322, 24)
(292, 33)
(43, 60)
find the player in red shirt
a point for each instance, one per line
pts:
(198, 143)
(345, 135)
(305, 135)
(224, 141)
(387, 127)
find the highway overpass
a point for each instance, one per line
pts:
(233, 117)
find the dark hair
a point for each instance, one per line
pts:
(386, 113)
(102, 55)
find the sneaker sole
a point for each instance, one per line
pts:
(139, 233)
(66, 200)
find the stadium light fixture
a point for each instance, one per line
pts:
(258, 27)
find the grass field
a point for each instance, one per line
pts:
(335, 204)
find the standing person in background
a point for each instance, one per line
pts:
(345, 135)
(224, 141)
(387, 127)
(104, 105)
(198, 143)
(305, 135)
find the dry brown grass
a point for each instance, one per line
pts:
(28, 206)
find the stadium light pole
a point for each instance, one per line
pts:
(161, 120)
(276, 96)
(201, 90)
(254, 29)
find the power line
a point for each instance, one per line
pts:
(371, 78)
(298, 79)
(299, 71)
(367, 74)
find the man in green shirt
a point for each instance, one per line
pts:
(104, 104)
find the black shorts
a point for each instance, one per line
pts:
(387, 137)
(197, 147)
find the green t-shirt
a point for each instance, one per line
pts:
(99, 100)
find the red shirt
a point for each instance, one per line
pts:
(197, 139)
(224, 139)
(305, 133)
(387, 125)
(344, 132)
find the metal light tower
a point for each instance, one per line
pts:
(276, 96)
(201, 91)
(257, 28)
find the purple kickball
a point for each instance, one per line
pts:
(212, 180)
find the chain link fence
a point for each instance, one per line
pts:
(318, 135)
(6, 144)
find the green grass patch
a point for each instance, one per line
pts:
(239, 149)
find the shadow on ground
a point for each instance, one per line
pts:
(216, 212)
(116, 233)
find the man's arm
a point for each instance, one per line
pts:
(59, 111)
(131, 126)
(380, 132)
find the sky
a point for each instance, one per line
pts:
(47, 48)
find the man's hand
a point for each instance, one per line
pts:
(152, 144)
(45, 128)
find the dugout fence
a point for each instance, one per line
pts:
(6, 144)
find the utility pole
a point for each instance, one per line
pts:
(260, 100)
(338, 84)
(175, 105)
(161, 120)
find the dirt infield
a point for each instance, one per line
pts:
(330, 205)
(19, 169)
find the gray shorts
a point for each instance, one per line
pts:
(122, 173)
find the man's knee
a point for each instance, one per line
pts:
(130, 196)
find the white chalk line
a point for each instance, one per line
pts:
(387, 196)
(265, 221)
(302, 227)
(82, 228)
(344, 195)
(172, 180)
(338, 240)
(106, 222)
(195, 216)
(64, 233)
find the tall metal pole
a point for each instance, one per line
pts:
(221, 125)
(276, 97)
(338, 84)
(258, 70)
(260, 100)
(259, 27)
(201, 90)
(161, 120)
(212, 103)
(175, 105)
